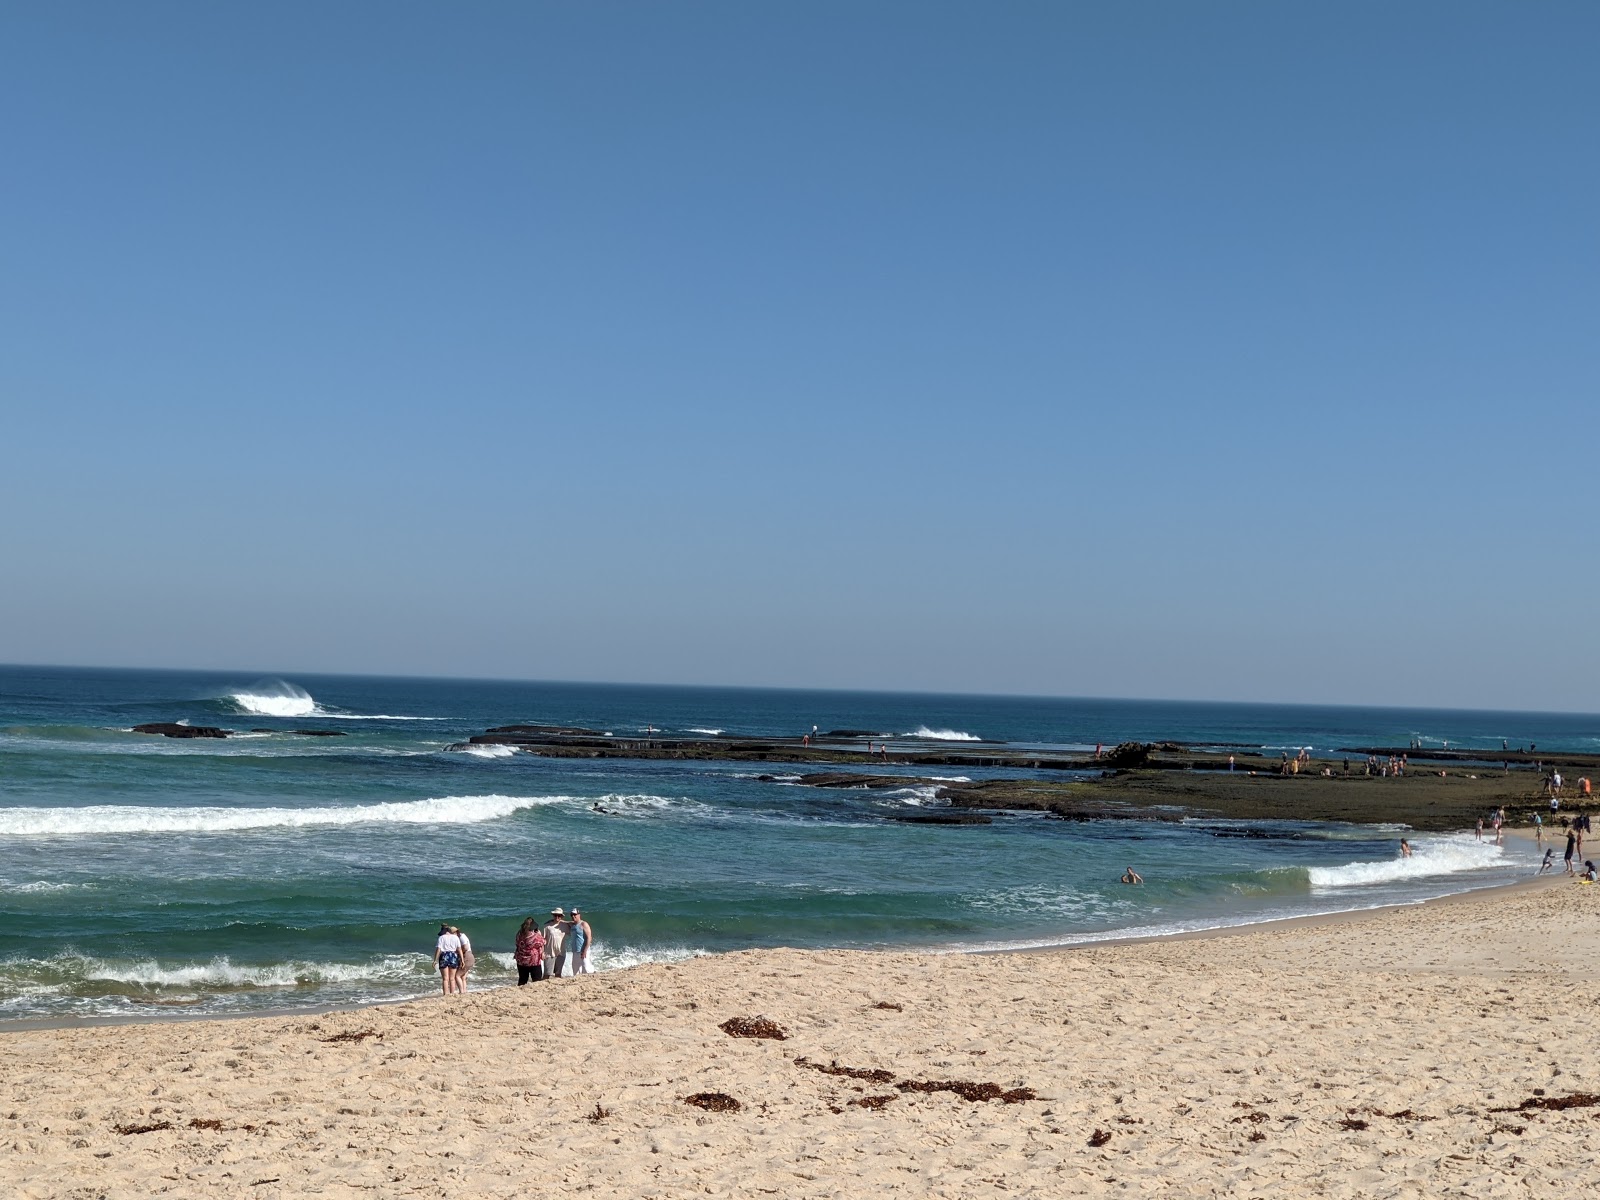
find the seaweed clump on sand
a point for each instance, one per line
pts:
(352, 1035)
(969, 1090)
(866, 1074)
(754, 1027)
(874, 1101)
(714, 1102)
(127, 1130)
(1554, 1103)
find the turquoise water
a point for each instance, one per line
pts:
(274, 870)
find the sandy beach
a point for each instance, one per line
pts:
(1417, 1052)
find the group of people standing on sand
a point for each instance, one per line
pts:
(561, 946)
(453, 959)
(546, 953)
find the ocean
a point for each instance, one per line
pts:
(143, 875)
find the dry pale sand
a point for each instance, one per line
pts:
(1396, 1055)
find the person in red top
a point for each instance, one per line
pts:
(529, 952)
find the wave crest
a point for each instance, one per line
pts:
(119, 818)
(273, 698)
(1430, 856)
(942, 735)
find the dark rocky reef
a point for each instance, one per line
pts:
(172, 729)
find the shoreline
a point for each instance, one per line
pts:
(1412, 1052)
(1090, 942)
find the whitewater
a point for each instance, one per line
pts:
(275, 869)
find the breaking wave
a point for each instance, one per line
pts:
(274, 698)
(490, 751)
(942, 735)
(279, 698)
(119, 818)
(1430, 856)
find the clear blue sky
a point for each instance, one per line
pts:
(1234, 351)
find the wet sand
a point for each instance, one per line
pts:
(1421, 1051)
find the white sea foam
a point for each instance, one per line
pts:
(279, 698)
(712, 732)
(607, 959)
(490, 751)
(914, 796)
(38, 885)
(274, 698)
(1430, 856)
(642, 804)
(942, 735)
(217, 973)
(118, 818)
(951, 778)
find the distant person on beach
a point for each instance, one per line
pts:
(1497, 828)
(1538, 829)
(1549, 863)
(1589, 873)
(447, 960)
(1480, 829)
(467, 959)
(529, 953)
(555, 934)
(584, 944)
(1405, 848)
(1132, 876)
(1572, 846)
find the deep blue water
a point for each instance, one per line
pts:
(276, 870)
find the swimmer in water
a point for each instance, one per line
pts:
(1405, 848)
(1132, 876)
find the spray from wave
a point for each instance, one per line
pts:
(273, 698)
(489, 751)
(118, 818)
(280, 698)
(1430, 856)
(942, 735)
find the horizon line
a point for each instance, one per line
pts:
(282, 675)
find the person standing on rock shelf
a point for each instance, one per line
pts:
(555, 935)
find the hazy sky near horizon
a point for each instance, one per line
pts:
(1223, 351)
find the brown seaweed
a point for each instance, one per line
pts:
(754, 1027)
(865, 1074)
(714, 1102)
(1554, 1103)
(969, 1090)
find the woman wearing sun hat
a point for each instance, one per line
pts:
(554, 935)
